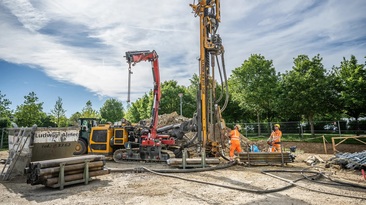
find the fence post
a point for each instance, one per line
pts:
(2, 138)
(339, 128)
(246, 130)
(325, 147)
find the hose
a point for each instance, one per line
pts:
(226, 85)
(335, 182)
(163, 172)
(219, 185)
(292, 183)
(266, 172)
(141, 169)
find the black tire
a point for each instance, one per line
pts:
(80, 148)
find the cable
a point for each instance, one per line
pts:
(334, 182)
(304, 187)
(219, 185)
(140, 169)
(292, 183)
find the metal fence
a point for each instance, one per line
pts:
(4, 138)
(302, 128)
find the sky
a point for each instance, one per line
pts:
(75, 49)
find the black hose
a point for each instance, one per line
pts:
(162, 172)
(304, 187)
(140, 169)
(220, 185)
(226, 85)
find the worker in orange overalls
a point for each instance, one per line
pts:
(235, 141)
(274, 141)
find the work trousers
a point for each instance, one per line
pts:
(276, 147)
(235, 145)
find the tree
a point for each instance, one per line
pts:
(132, 114)
(30, 112)
(253, 86)
(190, 97)
(112, 110)
(351, 86)
(88, 111)
(74, 119)
(140, 109)
(170, 101)
(47, 121)
(304, 89)
(144, 105)
(4, 106)
(58, 112)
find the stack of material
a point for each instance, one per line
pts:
(355, 160)
(266, 157)
(66, 171)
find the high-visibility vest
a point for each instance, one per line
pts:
(234, 135)
(276, 136)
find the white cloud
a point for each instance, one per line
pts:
(30, 17)
(83, 42)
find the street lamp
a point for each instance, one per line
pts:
(180, 96)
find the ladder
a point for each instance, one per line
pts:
(21, 136)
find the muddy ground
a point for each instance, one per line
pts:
(149, 188)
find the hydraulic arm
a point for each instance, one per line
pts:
(134, 57)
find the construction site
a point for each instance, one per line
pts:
(171, 159)
(286, 177)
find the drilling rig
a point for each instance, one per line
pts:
(211, 126)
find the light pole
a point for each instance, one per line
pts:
(180, 96)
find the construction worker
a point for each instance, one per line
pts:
(235, 141)
(274, 141)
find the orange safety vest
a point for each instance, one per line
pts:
(276, 136)
(235, 135)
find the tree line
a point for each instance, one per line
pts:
(257, 93)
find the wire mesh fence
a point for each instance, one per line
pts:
(302, 129)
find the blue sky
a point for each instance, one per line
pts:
(74, 49)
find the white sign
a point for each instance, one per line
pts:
(56, 136)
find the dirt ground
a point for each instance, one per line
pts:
(149, 188)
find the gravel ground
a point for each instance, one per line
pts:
(148, 188)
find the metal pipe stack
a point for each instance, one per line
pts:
(354, 161)
(66, 171)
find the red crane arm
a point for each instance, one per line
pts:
(134, 57)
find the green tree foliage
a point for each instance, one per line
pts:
(74, 119)
(190, 97)
(30, 112)
(88, 111)
(133, 114)
(351, 86)
(47, 121)
(254, 86)
(58, 112)
(140, 109)
(144, 106)
(304, 89)
(4, 106)
(235, 113)
(170, 100)
(112, 110)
